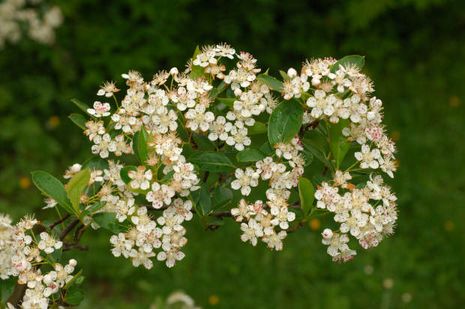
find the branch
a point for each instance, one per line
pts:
(69, 228)
(52, 226)
(17, 294)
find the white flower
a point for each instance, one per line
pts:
(199, 119)
(140, 178)
(72, 170)
(245, 180)
(275, 240)
(251, 231)
(48, 244)
(159, 195)
(369, 158)
(108, 89)
(100, 109)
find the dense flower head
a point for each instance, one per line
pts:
(176, 103)
(220, 138)
(38, 19)
(22, 253)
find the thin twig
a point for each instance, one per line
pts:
(52, 226)
(69, 228)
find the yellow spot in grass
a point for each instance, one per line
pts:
(24, 182)
(454, 101)
(449, 225)
(213, 300)
(53, 122)
(314, 224)
(395, 135)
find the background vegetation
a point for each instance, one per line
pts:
(415, 53)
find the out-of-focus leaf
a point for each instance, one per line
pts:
(78, 120)
(306, 194)
(81, 105)
(139, 145)
(197, 71)
(271, 82)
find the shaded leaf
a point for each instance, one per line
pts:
(139, 145)
(271, 82)
(75, 187)
(222, 197)
(249, 155)
(358, 61)
(81, 105)
(212, 162)
(78, 120)
(257, 128)
(285, 122)
(52, 187)
(306, 194)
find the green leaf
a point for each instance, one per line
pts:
(109, 222)
(76, 186)
(338, 143)
(285, 122)
(82, 106)
(314, 143)
(52, 187)
(249, 155)
(358, 61)
(257, 128)
(78, 120)
(139, 145)
(217, 90)
(74, 296)
(95, 207)
(205, 201)
(284, 75)
(7, 287)
(229, 102)
(124, 173)
(214, 162)
(203, 142)
(271, 82)
(266, 149)
(306, 194)
(222, 197)
(197, 71)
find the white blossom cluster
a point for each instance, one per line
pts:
(21, 255)
(40, 22)
(166, 179)
(252, 97)
(368, 213)
(345, 95)
(269, 220)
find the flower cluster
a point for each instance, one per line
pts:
(217, 139)
(16, 14)
(269, 220)
(343, 94)
(367, 213)
(22, 253)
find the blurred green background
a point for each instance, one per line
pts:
(415, 51)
